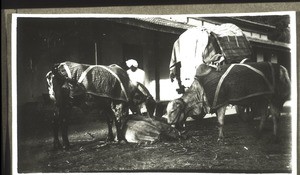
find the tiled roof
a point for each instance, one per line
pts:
(278, 44)
(154, 23)
(165, 22)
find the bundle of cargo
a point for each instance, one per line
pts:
(220, 44)
(228, 41)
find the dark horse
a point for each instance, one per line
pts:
(195, 100)
(106, 88)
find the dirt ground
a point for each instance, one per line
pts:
(240, 152)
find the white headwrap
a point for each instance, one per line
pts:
(131, 62)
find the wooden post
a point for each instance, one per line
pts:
(96, 54)
(156, 67)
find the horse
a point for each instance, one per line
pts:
(196, 99)
(140, 129)
(106, 88)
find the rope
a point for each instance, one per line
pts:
(220, 84)
(83, 75)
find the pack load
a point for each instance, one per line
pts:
(227, 40)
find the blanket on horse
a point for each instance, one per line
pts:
(236, 82)
(104, 81)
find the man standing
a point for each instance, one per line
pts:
(135, 74)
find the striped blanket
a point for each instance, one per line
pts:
(104, 81)
(236, 82)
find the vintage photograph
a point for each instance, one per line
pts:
(153, 93)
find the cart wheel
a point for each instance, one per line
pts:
(245, 113)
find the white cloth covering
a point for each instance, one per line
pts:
(188, 51)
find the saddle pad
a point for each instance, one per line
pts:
(104, 81)
(236, 82)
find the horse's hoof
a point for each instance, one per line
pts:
(110, 139)
(123, 141)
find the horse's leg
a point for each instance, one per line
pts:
(150, 106)
(261, 109)
(119, 130)
(109, 120)
(65, 112)
(120, 113)
(55, 126)
(275, 112)
(221, 116)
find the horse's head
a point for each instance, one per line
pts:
(54, 83)
(57, 72)
(138, 97)
(175, 113)
(196, 99)
(62, 88)
(141, 95)
(203, 70)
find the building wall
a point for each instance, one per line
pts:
(42, 43)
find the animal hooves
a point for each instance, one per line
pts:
(110, 139)
(123, 141)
